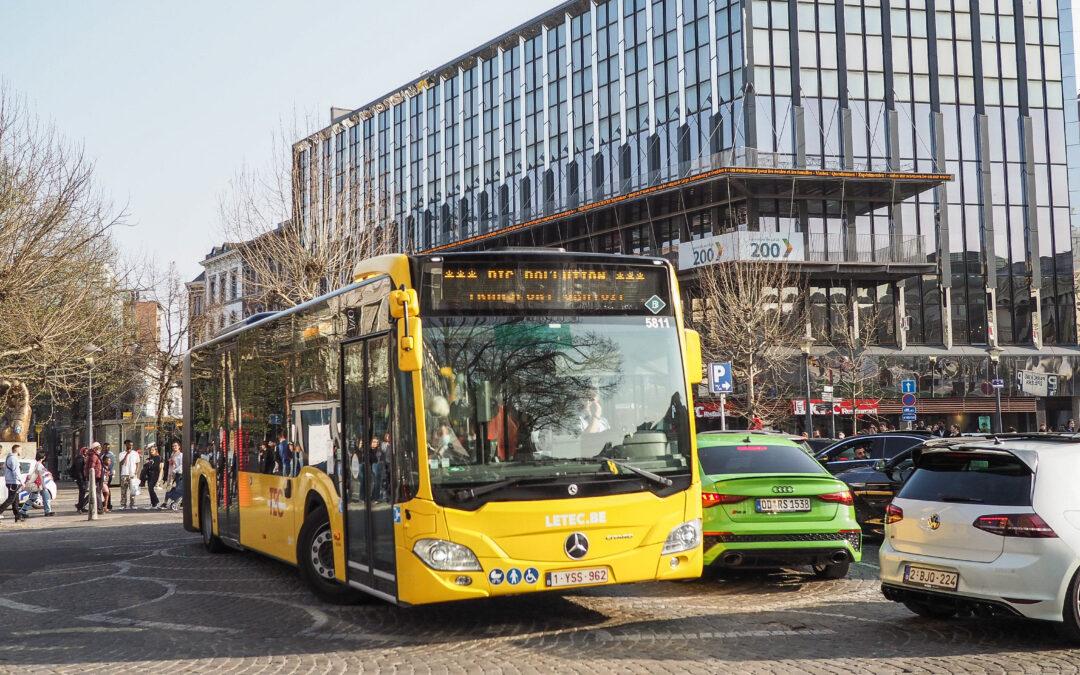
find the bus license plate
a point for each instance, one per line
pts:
(783, 505)
(592, 575)
(931, 578)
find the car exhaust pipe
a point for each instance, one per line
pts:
(840, 557)
(732, 559)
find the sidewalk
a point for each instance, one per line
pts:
(67, 494)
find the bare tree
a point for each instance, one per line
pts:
(750, 314)
(163, 341)
(61, 287)
(854, 332)
(296, 248)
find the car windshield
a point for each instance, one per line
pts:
(512, 397)
(755, 457)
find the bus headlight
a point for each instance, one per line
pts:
(684, 537)
(446, 556)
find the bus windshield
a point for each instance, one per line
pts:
(533, 397)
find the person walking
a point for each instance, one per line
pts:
(129, 473)
(13, 478)
(150, 474)
(107, 465)
(176, 470)
(94, 471)
(41, 479)
(78, 474)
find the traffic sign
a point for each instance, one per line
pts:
(907, 400)
(908, 410)
(997, 383)
(907, 417)
(720, 378)
(827, 393)
(907, 387)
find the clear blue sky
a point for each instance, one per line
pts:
(172, 98)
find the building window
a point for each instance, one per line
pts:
(233, 291)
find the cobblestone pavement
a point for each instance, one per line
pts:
(134, 592)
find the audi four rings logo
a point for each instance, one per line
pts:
(783, 489)
(576, 546)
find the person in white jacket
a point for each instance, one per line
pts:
(41, 480)
(13, 479)
(129, 475)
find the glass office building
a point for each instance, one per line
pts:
(919, 153)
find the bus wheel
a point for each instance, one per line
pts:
(315, 557)
(206, 524)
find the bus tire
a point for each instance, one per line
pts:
(211, 542)
(315, 558)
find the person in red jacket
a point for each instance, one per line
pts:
(94, 470)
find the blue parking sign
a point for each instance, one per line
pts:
(720, 378)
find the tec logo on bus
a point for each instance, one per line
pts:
(276, 502)
(576, 519)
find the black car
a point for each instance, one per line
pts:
(865, 450)
(819, 444)
(873, 488)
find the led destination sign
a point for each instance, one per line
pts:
(484, 287)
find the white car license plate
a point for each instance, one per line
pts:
(582, 577)
(783, 505)
(931, 578)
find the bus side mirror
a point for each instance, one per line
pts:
(410, 344)
(694, 366)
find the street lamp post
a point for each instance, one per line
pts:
(91, 509)
(995, 357)
(806, 345)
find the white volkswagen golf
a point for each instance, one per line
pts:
(988, 525)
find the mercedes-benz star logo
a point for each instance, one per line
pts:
(783, 489)
(933, 522)
(572, 488)
(576, 546)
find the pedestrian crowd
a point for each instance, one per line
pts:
(139, 471)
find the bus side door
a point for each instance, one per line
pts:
(367, 415)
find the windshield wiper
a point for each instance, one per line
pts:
(464, 494)
(656, 478)
(959, 500)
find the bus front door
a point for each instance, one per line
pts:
(367, 414)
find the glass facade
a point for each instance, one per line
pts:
(601, 99)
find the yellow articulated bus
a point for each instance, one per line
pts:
(456, 426)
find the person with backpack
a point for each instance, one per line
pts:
(13, 479)
(41, 479)
(129, 475)
(151, 473)
(78, 474)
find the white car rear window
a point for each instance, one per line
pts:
(970, 478)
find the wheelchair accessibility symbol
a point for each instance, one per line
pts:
(531, 575)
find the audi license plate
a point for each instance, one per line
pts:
(783, 505)
(583, 577)
(931, 578)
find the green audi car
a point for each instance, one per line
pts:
(767, 503)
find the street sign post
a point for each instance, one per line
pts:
(827, 393)
(720, 383)
(908, 412)
(997, 383)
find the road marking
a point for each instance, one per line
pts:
(605, 636)
(18, 606)
(120, 621)
(870, 565)
(79, 629)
